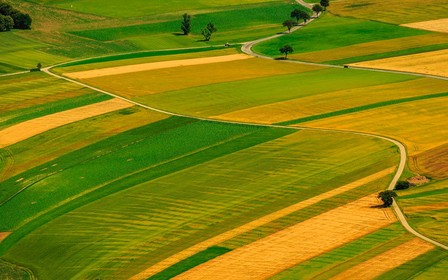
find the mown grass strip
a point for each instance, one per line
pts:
(142, 54)
(363, 108)
(188, 263)
(22, 115)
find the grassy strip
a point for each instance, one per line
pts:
(143, 176)
(189, 263)
(140, 55)
(417, 266)
(51, 108)
(363, 108)
(388, 54)
(423, 194)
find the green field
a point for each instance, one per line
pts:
(132, 192)
(111, 196)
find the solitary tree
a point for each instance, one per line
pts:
(402, 185)
(39, 66)
(387, 197)
(208, 30)
(299, 14)
(325, 4)
(285, 50)
(186, 24)
(317, 9)
(289, 23)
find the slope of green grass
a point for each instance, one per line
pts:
(159, 212)
(133, 8)
(330, 32)
(244, 23)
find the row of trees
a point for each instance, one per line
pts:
(207, 31)
(12, 18)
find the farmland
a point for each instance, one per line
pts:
(149, 154)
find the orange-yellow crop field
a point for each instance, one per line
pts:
(438, 25)
(277, 252)
(431, 63)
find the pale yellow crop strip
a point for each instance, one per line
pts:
(27, 129)
(386, 261)
(256, 223)
(438, 25)
(154, 66)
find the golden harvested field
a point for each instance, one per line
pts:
(397, 12)
(279, 251)
(373, 48)
(154, 66)
(432, 63)
(333, 101)
(421, 125)
(387, 260)
(162, 80)
(438, 25)
(257, 223)
(27, 129)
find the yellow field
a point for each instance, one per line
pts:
(387, 260)
(391, 11)
(432, 63)
(421, 125)
(279, 251)
(372, 48)
(433, 161)
(438, 25)
(257, 223)
(156, 81)
(27, 129)
(154, 66)
(333, 101)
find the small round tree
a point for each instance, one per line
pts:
(317, 9)
(289, 23)
(325, 4)
(387, 197)
(285, 50)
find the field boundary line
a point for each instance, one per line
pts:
(160, 266)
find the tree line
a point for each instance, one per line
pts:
(11, 18)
